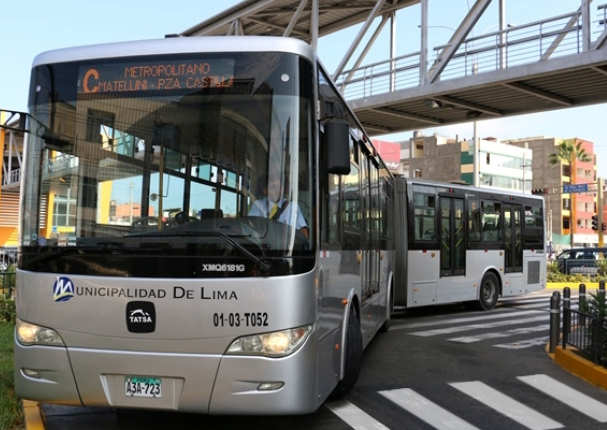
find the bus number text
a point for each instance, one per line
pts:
(248, 319)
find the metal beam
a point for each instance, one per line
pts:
(467, 105)
(407, 115)
(276, 26)
(539, 93)
(598, 43)
(358, 38)
(557, 41)
(599, 69)
(382, 130)
(294, 18)
(456, 40)
(243, 13)
(366, 50)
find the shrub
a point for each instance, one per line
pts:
(597, 307)
(7, 308)
(7, 295)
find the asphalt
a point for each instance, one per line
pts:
(34, 417)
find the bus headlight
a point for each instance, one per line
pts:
(273, 344)
(30, 334)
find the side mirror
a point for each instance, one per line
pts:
(337, 146)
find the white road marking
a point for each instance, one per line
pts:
(492, 316)
(573, 398)
(426, 410)
(354, 416)
(525, 343)
(457, 329)
(507, 406)
(497, 335)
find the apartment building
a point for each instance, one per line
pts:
(440, 158)
(567, 213)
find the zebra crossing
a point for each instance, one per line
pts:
(531, 313)
(440, 418)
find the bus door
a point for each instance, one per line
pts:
(371, 236)
(513, 238)
(452, 247)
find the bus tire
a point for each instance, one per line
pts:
(489, 292)
(354, 354)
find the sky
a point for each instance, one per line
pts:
(29, 28)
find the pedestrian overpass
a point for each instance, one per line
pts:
(557, 62)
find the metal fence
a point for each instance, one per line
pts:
(580, 266)
(584, 329)
(518, 45)
(7, 284)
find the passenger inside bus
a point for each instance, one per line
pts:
(490, 232)
(276, 207)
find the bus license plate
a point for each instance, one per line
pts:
(140, 386)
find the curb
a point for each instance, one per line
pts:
(578, 366)
(581, 367)
(32, 415)
(572, 285)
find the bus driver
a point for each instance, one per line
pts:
(276, 207)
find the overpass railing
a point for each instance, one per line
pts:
(518, 45)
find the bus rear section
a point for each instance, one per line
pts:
(467, 244)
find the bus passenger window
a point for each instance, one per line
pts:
(474, 221)
(491, 230)
(424, 217)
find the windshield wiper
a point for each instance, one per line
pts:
(264, 266)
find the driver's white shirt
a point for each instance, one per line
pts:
(291, 215)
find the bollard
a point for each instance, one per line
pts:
(555, 314)
(601, 292)
(582, 301)
(566, 315)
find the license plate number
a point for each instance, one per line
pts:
(140, 386)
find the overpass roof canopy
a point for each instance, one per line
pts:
(274, 17)
(554, 63)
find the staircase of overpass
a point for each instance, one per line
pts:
(554, 63)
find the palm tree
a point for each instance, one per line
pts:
(569, 151)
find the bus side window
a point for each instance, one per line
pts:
(491, 230)
(474, 221)
(424, 217)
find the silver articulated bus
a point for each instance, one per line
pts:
(467, 244)
(205, 227)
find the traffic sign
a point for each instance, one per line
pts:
(575, 188)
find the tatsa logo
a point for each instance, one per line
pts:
(63, 289)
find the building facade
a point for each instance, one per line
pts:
(440, 158)
(567, 213)
(11, 146)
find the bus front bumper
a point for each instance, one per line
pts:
(200, 383)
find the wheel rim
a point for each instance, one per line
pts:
(489, 291)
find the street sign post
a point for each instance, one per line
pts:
(575, 188)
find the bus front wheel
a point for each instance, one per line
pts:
(489, 292)
(354, 353)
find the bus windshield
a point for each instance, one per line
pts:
(195, 155)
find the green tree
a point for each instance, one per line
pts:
(569, 151)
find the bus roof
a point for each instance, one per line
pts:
(460, 186)
(176, 45)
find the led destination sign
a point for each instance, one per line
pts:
(155, 76)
